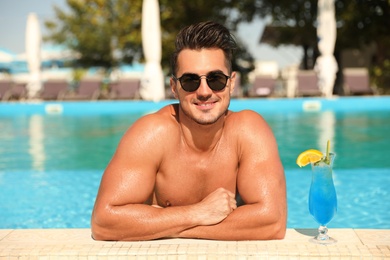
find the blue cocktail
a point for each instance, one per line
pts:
(322, 197)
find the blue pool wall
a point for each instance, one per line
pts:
(354, 104)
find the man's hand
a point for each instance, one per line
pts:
(215, 207)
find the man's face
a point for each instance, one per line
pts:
(204, 106)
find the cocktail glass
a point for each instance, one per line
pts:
(323, 198)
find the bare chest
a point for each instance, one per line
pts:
(187, 177)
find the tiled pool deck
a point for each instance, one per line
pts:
(77, 244)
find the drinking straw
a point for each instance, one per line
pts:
(327, 158)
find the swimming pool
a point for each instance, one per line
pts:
(52, 156)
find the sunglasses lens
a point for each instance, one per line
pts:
(190, 82)
(217, 81)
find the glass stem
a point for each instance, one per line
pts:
(322, 233)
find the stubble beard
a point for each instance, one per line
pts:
(205, 119)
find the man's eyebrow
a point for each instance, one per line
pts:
(212, 71)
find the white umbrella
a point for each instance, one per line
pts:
(152, 84)
(326, 65)
(33, 55)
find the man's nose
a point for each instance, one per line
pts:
(204, 88)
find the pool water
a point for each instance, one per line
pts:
(51, 165)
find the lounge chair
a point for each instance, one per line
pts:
(88, 89)
(5, 89)
(307, 83)
(263, 86)
(125, 89)
(53, 90)
(357, 81)
(18, 91)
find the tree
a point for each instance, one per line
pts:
(293, 22)
(99, 30)
(108, 32)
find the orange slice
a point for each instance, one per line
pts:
(309, 156)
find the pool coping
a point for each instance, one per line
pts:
(78, 244)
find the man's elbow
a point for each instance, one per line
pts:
(273, 231)
(276, 227)
(280, 232)
(98, 232)
(279, 227)
(100, 228)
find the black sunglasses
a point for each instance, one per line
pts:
(191, 82)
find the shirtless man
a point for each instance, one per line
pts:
(178, 172)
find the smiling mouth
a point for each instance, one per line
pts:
(205, 106)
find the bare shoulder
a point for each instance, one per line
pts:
(247, 121)
(152, 131)
(252, 133)
(155, 123)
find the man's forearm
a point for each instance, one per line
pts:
(245, 223)
(140, 222)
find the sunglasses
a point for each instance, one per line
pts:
(190, 82)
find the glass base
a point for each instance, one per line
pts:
(327, 241)
(322, 237)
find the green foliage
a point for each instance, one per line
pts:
(363, 22)
(108, 32)
(99, 29)
(360, 23)
(295, 20)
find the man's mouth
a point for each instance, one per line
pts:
(205, 105)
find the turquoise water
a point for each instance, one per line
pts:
(51, 163)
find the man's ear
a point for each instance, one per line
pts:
(172, 83)
(232, 82)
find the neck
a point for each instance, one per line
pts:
(200, 137)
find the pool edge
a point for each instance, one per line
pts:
(78, 244)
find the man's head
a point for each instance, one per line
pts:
(202, 77)
(204, 35)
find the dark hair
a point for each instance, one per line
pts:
(204, 35)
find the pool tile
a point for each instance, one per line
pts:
(343, 236)
(4, 233)
(374, 236)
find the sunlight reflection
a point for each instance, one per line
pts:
(326, 127)
(36, 145)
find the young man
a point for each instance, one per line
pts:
(195, 169)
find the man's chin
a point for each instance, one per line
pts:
(207, 119)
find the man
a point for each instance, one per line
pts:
(178, 172)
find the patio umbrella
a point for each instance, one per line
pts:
(326, 65)
(33, 55)
(152, 83)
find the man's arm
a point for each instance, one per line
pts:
(261, 185)
(121, 212)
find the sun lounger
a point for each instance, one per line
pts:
(53, 90)
(357, 81)
(263, 86)
(307, 83)
(88, 89)
(5, 89)
(16, 92)
(125, 89)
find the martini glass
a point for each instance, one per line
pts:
(322, 197)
